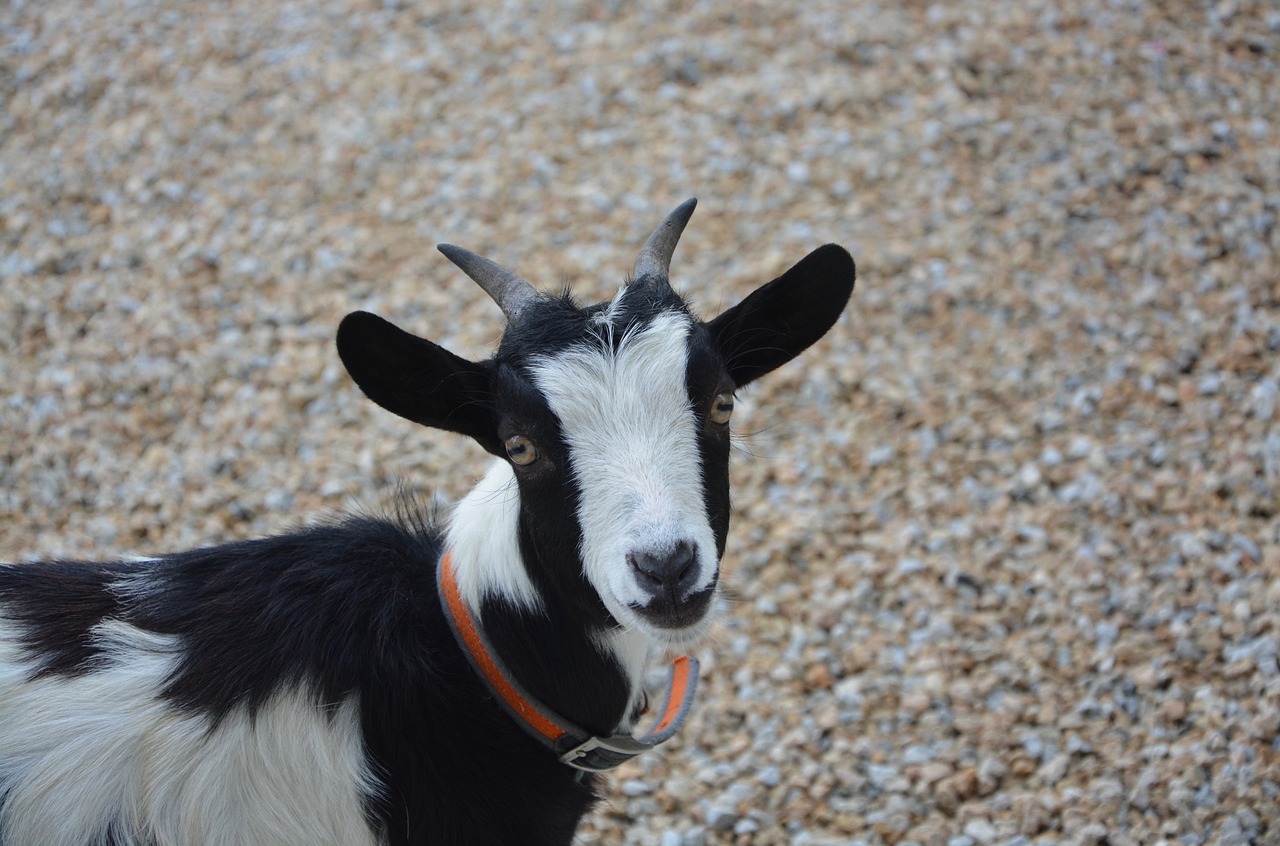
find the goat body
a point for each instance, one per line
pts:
(307, 688)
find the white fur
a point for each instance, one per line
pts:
(483, 536)
(632, 650)
(610, 314)
(633, 449)
(289, 775)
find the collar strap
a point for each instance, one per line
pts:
(574, 746)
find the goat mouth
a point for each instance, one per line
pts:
(665, 611)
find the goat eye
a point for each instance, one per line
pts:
(721, 409)
(521, 450)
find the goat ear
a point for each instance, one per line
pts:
(781, 319)
(418, 380)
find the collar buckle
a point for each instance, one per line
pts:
(601, 754)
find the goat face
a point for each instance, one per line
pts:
(605, 414)
(614, 419)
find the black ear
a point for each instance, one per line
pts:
(778, 321)
(418, 380)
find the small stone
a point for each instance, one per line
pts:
(930, 773)
(916, 702)
(818, 677)
(1054, 770)
(695, 836)
(953, 790)
(981, 830)
(798, 172)
(1029, 477)
(880, 774)
(917, 754)
(991, 771)
(1173, 710)
(1029, 814)
(720, 818)
(1092, 833)
(880, 456)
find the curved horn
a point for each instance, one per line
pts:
(655, 255)
(508, 290)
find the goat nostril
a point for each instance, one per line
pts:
(647, 570)
(682, 560)
(670, 570)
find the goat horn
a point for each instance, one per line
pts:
(508, 290)
(655, 255)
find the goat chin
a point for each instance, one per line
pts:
(678, 638)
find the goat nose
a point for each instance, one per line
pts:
(672, 570)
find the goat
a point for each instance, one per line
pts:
(402, 679)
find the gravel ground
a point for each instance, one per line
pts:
(1006, 559)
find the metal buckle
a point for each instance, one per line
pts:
(580, 756)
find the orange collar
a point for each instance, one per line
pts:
(576, 747)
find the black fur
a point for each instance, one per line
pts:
(418, 380)
(782, 319)
(56, 604)
(706, 378)
(343, 609)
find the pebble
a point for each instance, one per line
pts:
(695, 836)
(980, 830)
(721, 818)
(1005, 545)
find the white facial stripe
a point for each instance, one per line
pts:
(483, 535)
(633, 450)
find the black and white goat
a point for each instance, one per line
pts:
(313, 688)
